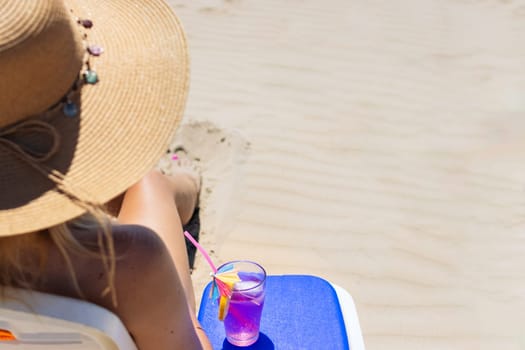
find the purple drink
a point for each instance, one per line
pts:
(244, 312)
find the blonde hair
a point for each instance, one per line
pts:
(17, 268)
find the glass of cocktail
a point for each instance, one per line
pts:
(239, 288)
(243, 315)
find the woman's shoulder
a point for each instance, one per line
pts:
(138, 252)
(138, 239)
(136, 249)
(133, 233)
(123, 236)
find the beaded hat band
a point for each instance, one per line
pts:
(91, 93)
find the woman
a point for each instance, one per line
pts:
(90, 96)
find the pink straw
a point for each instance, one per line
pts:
(201, 249)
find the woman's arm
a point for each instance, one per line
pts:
(155, 294)
(152, 301)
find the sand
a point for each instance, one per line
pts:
(377, 144)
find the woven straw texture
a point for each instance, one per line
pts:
(126, 120)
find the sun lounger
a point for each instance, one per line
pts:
(300, 312)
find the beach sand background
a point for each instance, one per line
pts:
(377, 144)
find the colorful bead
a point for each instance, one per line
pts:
(90, 77)
(86, 23)
(95, 50)
(70, 109)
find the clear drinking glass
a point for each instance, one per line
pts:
(243, 319)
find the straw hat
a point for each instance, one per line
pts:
(91, 92)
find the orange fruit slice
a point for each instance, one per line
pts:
(223, 307)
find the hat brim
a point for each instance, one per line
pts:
(126, 120)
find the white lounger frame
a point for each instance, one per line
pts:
(353, 329)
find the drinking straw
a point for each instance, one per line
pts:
(212, 265)
(202, 250)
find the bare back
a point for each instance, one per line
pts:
(151, 299)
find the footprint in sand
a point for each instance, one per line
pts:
(220, 155)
